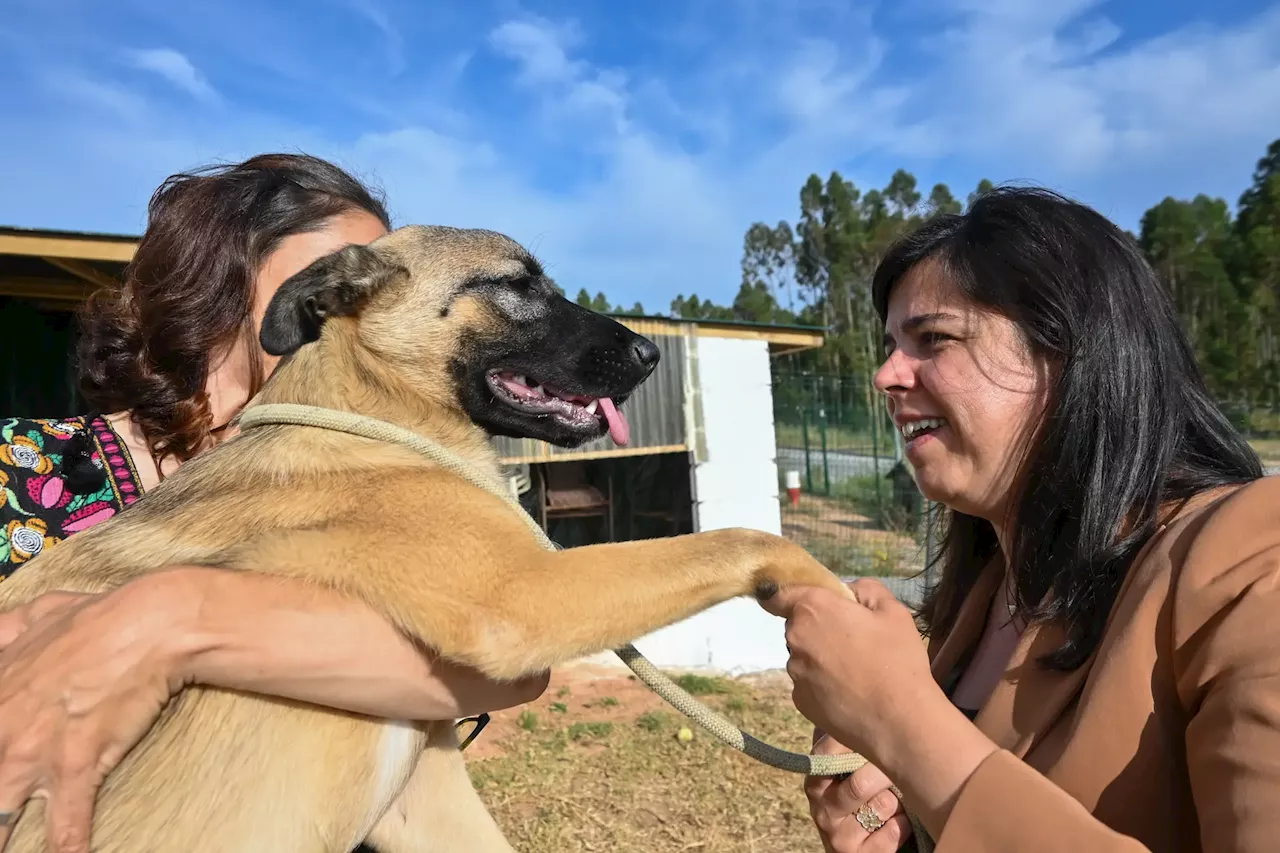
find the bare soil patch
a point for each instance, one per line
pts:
(596, 765)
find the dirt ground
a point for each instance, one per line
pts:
(847, 526)
(847, 541)
(596, 764)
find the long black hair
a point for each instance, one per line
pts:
(1130, 426)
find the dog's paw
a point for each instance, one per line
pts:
(766, 588)
(791, 565)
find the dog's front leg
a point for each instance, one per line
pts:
(581, 601)
(438, 811)
(480, 590)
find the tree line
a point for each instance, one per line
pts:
(1222, 270)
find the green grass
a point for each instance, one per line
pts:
(528, 720)
(838, 439)
(653, 721)
(703, 685)
(583, 731)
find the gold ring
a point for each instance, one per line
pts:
(867, 818)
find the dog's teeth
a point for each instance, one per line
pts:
(537, 389)
(592, 406)
(520, 379)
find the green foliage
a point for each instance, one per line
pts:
(1222, 272)
(600, 303)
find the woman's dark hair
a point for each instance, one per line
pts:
(1130, 426)
(188, 292)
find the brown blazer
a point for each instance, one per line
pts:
(1169, 737)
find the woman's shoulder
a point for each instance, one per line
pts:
(1217, 566)
(1230, 523)
(58, 476)
(1207, 548)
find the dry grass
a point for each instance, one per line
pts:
(848, 541)
(595, 765)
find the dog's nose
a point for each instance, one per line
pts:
(645, 352)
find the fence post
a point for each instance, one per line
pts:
(826, 465)
(804, 431)
(875, 454)
(928, 539)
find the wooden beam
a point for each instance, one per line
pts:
(793, 338)
(570, 456)
(81, 270)
(796, 338)
(79, 248)
(50, 289)
(787, 349)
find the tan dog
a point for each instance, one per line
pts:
(448, 333)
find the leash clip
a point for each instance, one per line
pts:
(481, 720)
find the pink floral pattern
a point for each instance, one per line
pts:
(41, 501)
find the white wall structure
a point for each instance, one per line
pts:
(735, 485)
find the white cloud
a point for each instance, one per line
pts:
(568, 88)
(176, 68)
(1049, 85)
(640, 181)
(539, 47)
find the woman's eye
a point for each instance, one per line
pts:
(935, 338)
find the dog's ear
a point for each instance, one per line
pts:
(334, 285)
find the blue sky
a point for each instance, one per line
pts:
(631, 144)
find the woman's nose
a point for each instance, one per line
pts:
(894, 373)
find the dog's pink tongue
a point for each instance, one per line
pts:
(619, 429)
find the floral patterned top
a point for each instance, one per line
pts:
(58, 477)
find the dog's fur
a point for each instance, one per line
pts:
(408, 329)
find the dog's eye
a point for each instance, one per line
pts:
(523, 284)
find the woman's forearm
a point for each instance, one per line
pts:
(931, 754)
(284, 638)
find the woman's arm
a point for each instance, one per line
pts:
(84, 677)
(268, 635)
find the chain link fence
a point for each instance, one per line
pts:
(1262, 427)
(848, 496)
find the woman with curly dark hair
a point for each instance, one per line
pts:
(167, 361)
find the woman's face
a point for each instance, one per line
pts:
(230, 380)
(964, 390)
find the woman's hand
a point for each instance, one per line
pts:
(861, 672)
(854, 664)
(80, 684)
(857, 814)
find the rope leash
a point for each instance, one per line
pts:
(718, 726)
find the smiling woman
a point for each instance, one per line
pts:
(1103, 664)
